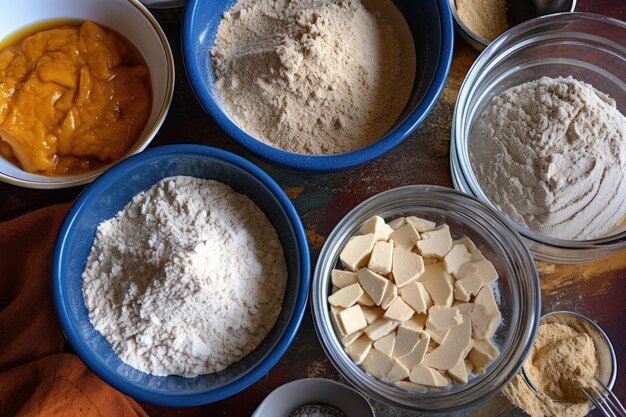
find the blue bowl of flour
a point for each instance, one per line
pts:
(431, 26)
(108, 195)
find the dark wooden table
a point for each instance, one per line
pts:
(597, 290)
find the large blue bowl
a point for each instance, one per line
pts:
(431, 25)
(109, 194)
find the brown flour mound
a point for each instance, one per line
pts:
(314, 76)
(561, 360)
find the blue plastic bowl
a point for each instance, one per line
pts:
(431, 24)
(109, 194)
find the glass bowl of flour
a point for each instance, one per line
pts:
(186, 270)
(539, 133)
(517, 292)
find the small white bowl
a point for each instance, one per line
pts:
(287, 398)
(127, 17)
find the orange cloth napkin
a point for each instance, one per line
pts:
(36, 377)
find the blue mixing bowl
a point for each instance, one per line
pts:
(431, 25)
(108, 195)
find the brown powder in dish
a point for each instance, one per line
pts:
(560, 361)
(485, 18)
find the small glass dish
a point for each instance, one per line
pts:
(518, 293)
(588, 47)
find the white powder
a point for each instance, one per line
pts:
(314, 76)
(187, 279)
(551, 154)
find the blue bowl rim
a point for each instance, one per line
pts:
(73, 335)
(328, 162)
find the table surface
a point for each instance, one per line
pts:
(596, 290)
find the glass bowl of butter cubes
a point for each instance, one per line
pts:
(426, 299)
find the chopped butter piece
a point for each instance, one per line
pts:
(487, 300)
(352, 319)
(381, 258)
(334, 318)
(342, 279)
(372, 313)
(429, 377)
(349, 339)
(459, 372)
(405, 341)
(436, 335)
(347, 296)
(436, 242)
(366, 300)
(468, 243)
(465, 309)
(442, 318)
(456, 257)
(417, 322)
(421, 225)
(416, 356)
(487, 271)
(484, 323)
(381, 327)
(468, 268)
(395, 223)
(357, 251)
(359, 349)
(482, 354)
(377, 226)
(399, 311)
(373, 284)
(410, 386)
(407, 266)
(415, 295)
(377, 363)
(439, 284)
(391, 293)
(405, 236)
(453, 349)
(385, 344)
(467, 287)
(398, 372)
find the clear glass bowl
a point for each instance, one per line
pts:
(586, 46)
(518, 289)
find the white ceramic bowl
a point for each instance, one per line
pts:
(131, 19)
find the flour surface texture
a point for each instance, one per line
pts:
(551, 153)
(187, 279)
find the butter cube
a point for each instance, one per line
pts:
(439, 284)
(398, 372)
(442, 318)
(407, 266)
(467, 287)
(405, 236)
(399, 311)
(385, 344)
(372, 313)
(352, 319)
(429, 377)
(381, 258)
(334, 318)
(380, 328)
(405, 341)
(366, 300)
(417, 322)
(415, 295)
(416, 356)
(484, 323)
(357, 251)
(359, 349)
(421, 225)
(347, 296)
(465, 309)
(377, 363)
(394, 224)
(391, 293)
(436, 242)
(487, 271)
(377, 226)
(453, 349)
(456, 257)
(410, 386)
(373, 284)
(436, 335)
(482, 354)
(487, 300)
(349, 339)
(342, 279)
(459, 372)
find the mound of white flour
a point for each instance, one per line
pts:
(551, 154)
(187, 279)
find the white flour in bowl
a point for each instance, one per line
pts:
(551, 154)
(187, 279)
